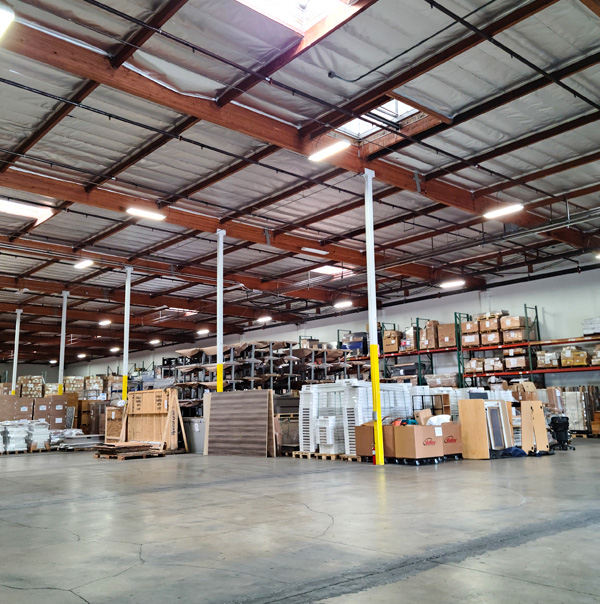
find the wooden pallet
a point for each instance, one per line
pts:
(287, 415)
(14, 452)
(284, 453)
(321, 456)
(132, 455)
(356, 458)
(302, 455)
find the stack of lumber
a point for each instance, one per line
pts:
(122, 447)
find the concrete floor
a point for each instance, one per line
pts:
(192, 529)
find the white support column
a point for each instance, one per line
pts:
(16, 350)
(372, 301)
(220, 236)
(63, 343)
(127, 312)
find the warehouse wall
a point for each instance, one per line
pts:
(563, 302)
(50, 373)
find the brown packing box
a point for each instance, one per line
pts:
(7, 407)
(515, 352)
(489, 325)
(422, 416)
(570, 356)
(417, 442)
(446, 335)
(493, 364)
(470, 340)
(547, 360)
(442, 380)
(491, 338)
(524, 391)
(429, 335)
(518, 335)
(470, 327)
(365, 437)
(451, 438)
(513, 363)
(391, 341)
(508, 323)
(148, 402)
(58, 412)
(50, 389)
(24, 408)
(474, 366)
(41, 408)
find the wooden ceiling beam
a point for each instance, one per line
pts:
(312, 36)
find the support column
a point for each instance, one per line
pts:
(16, 350)
(63, 343)
(220, 236)
(373, 331)
(127, 312)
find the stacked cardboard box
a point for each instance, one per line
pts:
(50, 389)
(493, 364)
(474, 366)
(409, 343)
(30, 385)
(469, 327)
(512, 323)
(14, 408)
(310, 343)
(429, 335)
(491, 338)
(446, 335)
(74, 383)
(524, 391)
(94, 383)
(547, 360)
(486, 325)
(514, 336)
(442, 380)
(470, 340)
(595, 359)
(572, 356)
(591, 326)
(514, 363)
(391, 341)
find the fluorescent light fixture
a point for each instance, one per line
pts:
(7, 16)
(452, 284)
(314, 250)
(328, 270)
(53, 362)
(145, 214)
(40, 213)
(203, 332)
(154, 342)
(104, 322)
(115, 349)
(264, 319)
(343, 304)
(329, 151)
(504, 211)
(81, 355)
(83, 264)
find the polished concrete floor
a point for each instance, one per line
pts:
(194, 529)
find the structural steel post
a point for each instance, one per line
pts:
(16, 350)
(372, 301)
(220, 236)
(127, 312)
(63, 343)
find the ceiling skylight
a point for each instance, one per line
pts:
(296, 14)
(392, 111)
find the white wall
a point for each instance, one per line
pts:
(51, 373)
(563, 302)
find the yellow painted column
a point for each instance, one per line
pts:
(60, 389)
(124, 395)
(220, 377)
(374, 357)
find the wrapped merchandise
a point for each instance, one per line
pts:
(14, 435)
(38, 434)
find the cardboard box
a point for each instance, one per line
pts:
(486, 325)
(491, 338)
(94, 383)
(470, 340)
(24, 408)
(418, 442)
(515, 352)
(547, 360)
(429, 335)
(309, 343)
(524, 391)
(451, 438)
(511, 323)
(570, 356)
(408, 343)
(74, 383)
(391, 341)
(41, 409)
(447, 335)
(518, 335)
(513, 363)
(470, 327)
(365, 439)
(474, 366)
(442, 380)
(50, 389)
(493, 364)
(423, 416)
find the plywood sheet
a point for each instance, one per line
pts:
(241, 423)
(474, 429)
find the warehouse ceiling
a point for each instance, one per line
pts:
(206, 111)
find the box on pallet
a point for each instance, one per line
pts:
(23, 408)
(442, 380)
(474, 366)
(408, 342)
(489, 324)
(547, 360)
(94, 383)
(493, 364)
(470, 340)
(50, 389)
(73, 383)
(515, 352)
(446, 335)
(491, 338)
(571, 356)
(391, 341)
(30, 385)
(516, 363)
(470, 327)
(509, 323)
(429, 335)
(514, 336)
(148, 402)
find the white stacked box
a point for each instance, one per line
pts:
(591, 326)
(14, 435)
(38, 433)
